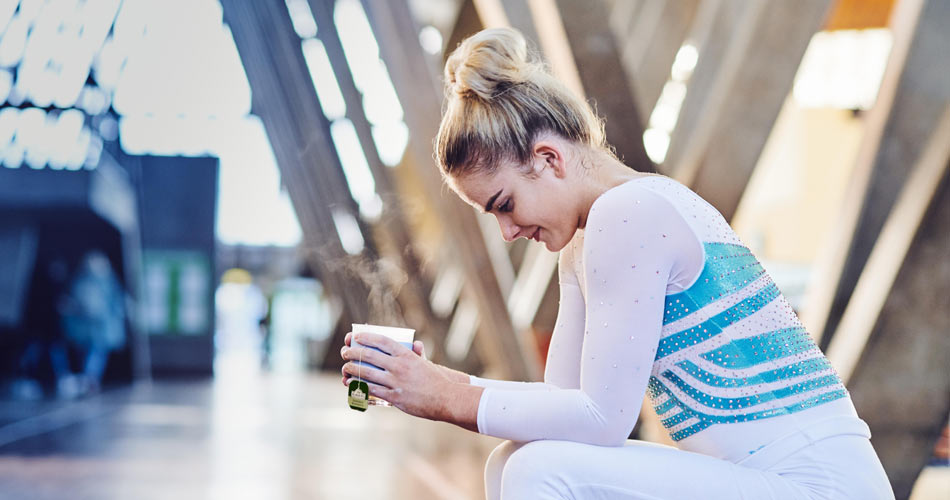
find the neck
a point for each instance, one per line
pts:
(605, 173)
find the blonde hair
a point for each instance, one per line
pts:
(499, 96)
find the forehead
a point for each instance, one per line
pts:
(477, 188)
(473, 188)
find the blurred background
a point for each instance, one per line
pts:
(197, 199)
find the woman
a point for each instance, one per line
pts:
(658, 296)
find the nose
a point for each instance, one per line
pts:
(509, 230)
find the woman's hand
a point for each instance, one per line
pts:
(417, 347)
(410, 382)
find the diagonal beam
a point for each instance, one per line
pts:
(416, 85)
(585, 57)
(468, 21)
(890, 250)
(757, 74)
(624, 14)
(712, 31)
(283, 96)
(893, 336)
(393, 222)
(913, 93)
(649, 47)
(541, 22)
(599, 65)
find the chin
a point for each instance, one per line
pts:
(555, 246)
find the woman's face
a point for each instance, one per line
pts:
(539, 207)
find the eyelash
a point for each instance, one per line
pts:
(505, 207)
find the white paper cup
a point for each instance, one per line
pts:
(402, 335)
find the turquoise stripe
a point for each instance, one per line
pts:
(664, 407)
(655, 387)
(675, 419)
(706, 420)
(722, 403)
(727, 269)
(689, 431)
(751, 351)
(785, 372)
(714, 326)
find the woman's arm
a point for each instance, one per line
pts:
(459, 405)
(455, 375)
(561, 370)
(466, 379)
(510, 385)
(634, 238)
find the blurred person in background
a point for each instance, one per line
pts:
(42, 334)
(267, 334)
(93, 322)
(240, 308)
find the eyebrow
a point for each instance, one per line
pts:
(491, 201)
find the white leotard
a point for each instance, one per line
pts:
(659, 296)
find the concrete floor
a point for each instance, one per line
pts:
(241, 436)
(247, 435)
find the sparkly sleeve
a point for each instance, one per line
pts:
(634, 241)
(562, 362)
(511, 385)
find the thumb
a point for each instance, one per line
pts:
(419, 348)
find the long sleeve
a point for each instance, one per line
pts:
(509, 384)
(561, 370)
(634, 241)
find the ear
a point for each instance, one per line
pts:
(548, 154)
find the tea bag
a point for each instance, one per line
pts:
(359, 395)
(358, 398)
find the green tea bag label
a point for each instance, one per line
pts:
(359, 395)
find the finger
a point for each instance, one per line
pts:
(367, 373)
(385, 344)
(347, 337)
(368, 355)
(379, 391)
(374, 389)
(419, 348)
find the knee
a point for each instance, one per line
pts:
(497, 460)
(494, 467)
(533, 464)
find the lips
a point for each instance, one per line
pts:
(537, 235)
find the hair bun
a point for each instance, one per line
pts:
(488, 63)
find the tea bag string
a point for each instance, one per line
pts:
(359, 366)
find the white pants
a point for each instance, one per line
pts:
(837, 467)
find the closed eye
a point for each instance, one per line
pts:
(506, 206)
